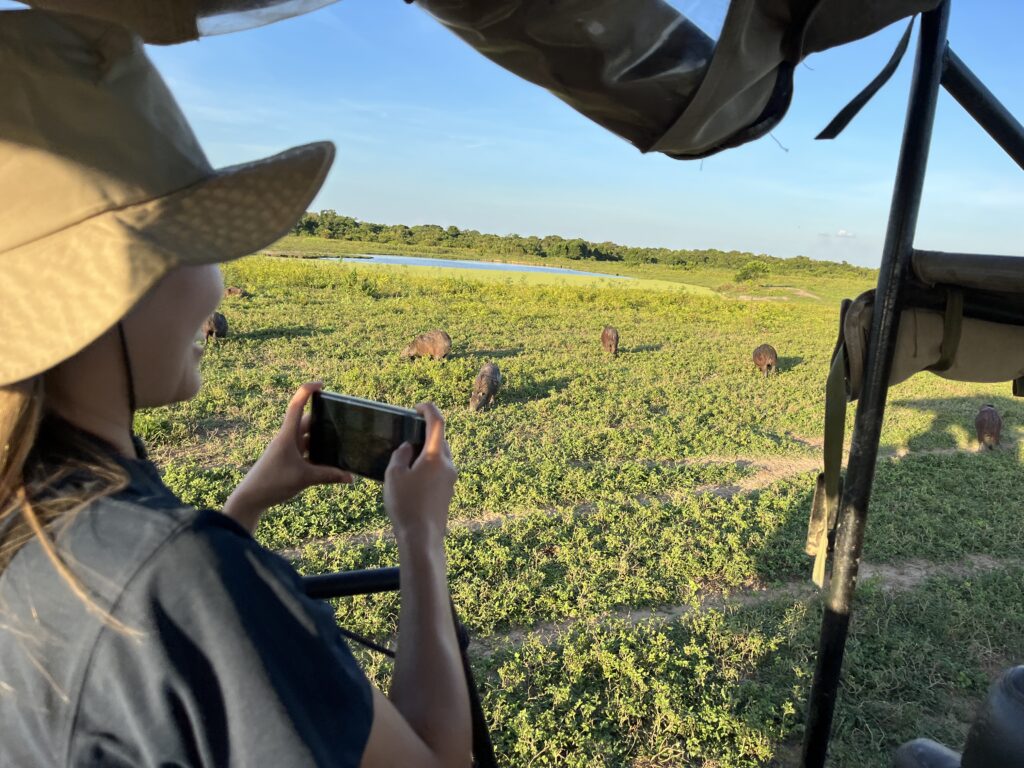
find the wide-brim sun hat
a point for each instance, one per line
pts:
(104, 187)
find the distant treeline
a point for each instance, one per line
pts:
(331, 225)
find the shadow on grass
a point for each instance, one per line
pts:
(488, 354)
(281, 332)
(952, 417)
(524, 391)
(640, 348)
(931, 508)
(937, 503)
(788, 363)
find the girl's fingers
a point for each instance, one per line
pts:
(323, 475)
(293, 416)
(400, 459)
(435, 442)
(303, 436)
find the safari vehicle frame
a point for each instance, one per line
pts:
(907, 278)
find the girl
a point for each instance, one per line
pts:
(135, 630)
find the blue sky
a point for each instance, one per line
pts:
(428, 131)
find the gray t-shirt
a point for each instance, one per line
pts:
(231, 664)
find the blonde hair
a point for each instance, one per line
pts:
(35, 457)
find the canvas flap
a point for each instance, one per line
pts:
(646, 72)
(629, 65)
(164, 22)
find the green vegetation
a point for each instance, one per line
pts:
(819, 281)
(626, 535)
(328, 225)
(751, 271)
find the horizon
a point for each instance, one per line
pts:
(761, 254)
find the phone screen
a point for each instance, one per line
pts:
(360, 435)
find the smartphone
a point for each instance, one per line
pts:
(360, 435)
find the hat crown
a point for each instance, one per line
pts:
(104, 188)
(128, 141)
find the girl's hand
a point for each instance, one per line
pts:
(284, 469)
(416, 497)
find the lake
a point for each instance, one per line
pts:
(423, 261)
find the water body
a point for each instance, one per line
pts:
(423, 261)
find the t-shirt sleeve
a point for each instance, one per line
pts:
(235, 666)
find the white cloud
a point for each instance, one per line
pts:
(845, 233)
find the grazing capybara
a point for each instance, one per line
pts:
(766, 359)
(216, 325)
(988, 424)
(610, 340)
(435, 344)
(485, 387)
(235, 291)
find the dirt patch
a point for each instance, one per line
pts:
(803, 294)
(893, 578)
(482, 523)
(767, 470)
(745, 297)
(900, 577)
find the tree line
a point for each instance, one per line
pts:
(329, 224)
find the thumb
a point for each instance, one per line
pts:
(400, 459)
(293, 413)
(324, 475)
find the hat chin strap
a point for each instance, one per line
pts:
(130, 380)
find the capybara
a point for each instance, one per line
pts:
(610, 340)
(216, 325)
(235, 291)
(766, 359)
(485, 387)
(435, 344)
(988, 424)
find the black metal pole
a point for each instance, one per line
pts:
(375, 580)
(348, 583)
(899, 240)
(983, 106)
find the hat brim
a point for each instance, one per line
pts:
(87, 276)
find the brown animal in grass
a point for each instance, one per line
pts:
(988, 424)
(485, 387)
(610, 340)
(216, 326)
(766, 359)
(235, 291)
(435, 344)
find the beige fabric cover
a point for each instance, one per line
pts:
(104, 188)
(987, 352)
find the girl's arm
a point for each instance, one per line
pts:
(427, 720)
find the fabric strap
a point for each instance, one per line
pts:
(847, 113)
(952, 327)
(828, 490)
(129, 378)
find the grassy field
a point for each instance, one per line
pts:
(793, 287)
(626, 535)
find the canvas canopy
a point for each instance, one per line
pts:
(165, 22)
(641, 68)
(646, 72)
